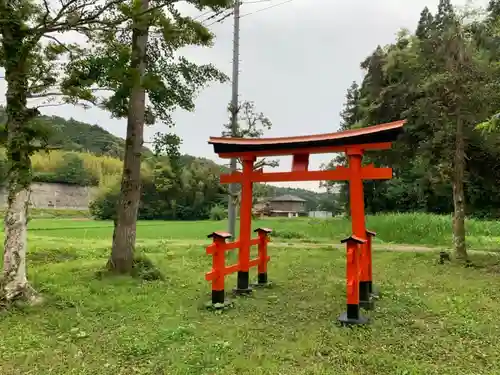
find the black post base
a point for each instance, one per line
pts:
(218, 296)
(218, 301)
(364, 291)
(219, 306)
(243, 280)
(365, 298)
(352, 316)
(242, 292)
(262, 281)
(346, 321)
(374, 291)
(367, 305)
(243, 285)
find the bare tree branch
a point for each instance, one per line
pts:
(47, 10)
(56, 93)
(50, 105)
(51, 37)
(57, 24)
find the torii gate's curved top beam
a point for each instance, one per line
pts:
(378, 134)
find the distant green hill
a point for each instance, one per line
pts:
(78, 136)
(73, 135)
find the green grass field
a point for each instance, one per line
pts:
(432, 319)
(413, 229)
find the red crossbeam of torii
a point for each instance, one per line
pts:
(353, 143)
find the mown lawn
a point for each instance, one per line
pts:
(432, 319)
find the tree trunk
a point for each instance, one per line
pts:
(458, 193)
(14, 283)
(124, 236)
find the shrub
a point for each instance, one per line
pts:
(144, 269)
(72, 171)
(218, 213)
(151, 206)
(103, 207)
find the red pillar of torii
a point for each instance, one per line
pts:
(354, 143)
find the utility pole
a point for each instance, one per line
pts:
(231, 209)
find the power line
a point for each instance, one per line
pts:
(202, 15)
(220, 19)
(216, 14)
(256, 1)
(266, 8)
(231, 12)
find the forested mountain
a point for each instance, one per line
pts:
(444, 78)
(73, 135)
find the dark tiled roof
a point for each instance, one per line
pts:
(286, 198)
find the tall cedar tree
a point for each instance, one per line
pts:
(349, 118)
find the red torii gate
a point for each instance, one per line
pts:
(354, 143)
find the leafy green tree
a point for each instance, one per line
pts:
(457, 82)
(72, 171)
(488, 37)
(494, 8)
(250, 124)
(33, 58)
(351, 114)
(350, 117)
(168, 193)
(425, 24)
(138, 60)
(442, 80)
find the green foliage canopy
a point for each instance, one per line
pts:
(447, 71)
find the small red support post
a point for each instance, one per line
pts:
(219, 269)
(243, 280)
(217, 249)
(263, 234)
(355, 156)
(352, 316)
(300, 162)
(369, 239)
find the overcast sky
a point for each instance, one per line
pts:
(297, 60)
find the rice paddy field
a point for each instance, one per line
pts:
(431, 319)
